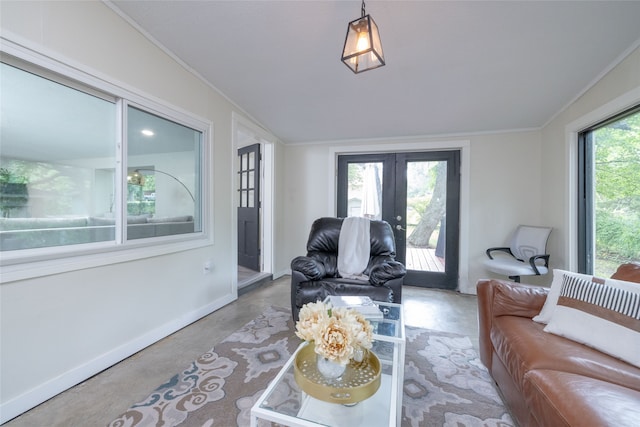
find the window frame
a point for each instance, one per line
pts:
(586, 225)
(36, 262)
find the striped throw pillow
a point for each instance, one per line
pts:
(605, 316)
(554, 292)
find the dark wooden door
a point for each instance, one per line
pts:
(249, 207)
(417, 193)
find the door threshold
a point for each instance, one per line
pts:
(253, 282)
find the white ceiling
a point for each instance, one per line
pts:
(453, 67)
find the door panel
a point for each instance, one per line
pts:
(427, 217)
(365, 185)
(249, 207)
(418, 194)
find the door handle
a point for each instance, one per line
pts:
(399, 228)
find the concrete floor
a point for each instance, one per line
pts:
(103, 397)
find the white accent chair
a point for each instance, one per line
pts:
(525, 256)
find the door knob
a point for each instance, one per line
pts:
(399, 228)
(399, 218)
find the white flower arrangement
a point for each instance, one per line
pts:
(337, 333)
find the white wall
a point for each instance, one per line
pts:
(514, 178)
(503, 190)
(60, 329)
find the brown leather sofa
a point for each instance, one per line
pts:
(547, 380)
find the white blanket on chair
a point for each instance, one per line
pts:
(354, 248)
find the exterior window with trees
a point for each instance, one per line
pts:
(609, 194)
(82, 166)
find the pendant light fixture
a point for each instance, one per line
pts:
(362, 47)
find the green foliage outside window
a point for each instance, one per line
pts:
(617, 192)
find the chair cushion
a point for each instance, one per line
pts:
(509, 266)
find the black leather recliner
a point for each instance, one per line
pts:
(315, 276)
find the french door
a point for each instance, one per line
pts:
(417, 193)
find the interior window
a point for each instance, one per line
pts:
(163, 160)
(55, 142)
(60, 180)
(609, 194)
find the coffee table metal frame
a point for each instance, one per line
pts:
(384, 408)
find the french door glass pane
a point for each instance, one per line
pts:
(364, 194)
(426, 212)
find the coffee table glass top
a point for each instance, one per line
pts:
(285, 403)
(392, 323)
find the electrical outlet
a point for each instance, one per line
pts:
(207, 267)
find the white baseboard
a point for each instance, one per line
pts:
(281, 273)
(28, 400)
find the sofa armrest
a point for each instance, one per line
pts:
(504, 298)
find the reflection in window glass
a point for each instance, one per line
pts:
(56, 164)
(163, 195)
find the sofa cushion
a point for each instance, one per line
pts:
(101, 221)
(554, 292)
(566, 399)
(605, 316)
(183, 218)
(522, 346)
(629, 272)
(7, 224)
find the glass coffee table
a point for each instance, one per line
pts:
(284, 403)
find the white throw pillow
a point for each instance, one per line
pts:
(605, 316)
(554, 292)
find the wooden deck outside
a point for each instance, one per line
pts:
(424, 259)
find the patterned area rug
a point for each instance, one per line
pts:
(445, 383)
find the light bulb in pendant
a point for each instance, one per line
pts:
(363, 41)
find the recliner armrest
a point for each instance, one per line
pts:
(385, 271)
(311, 268)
